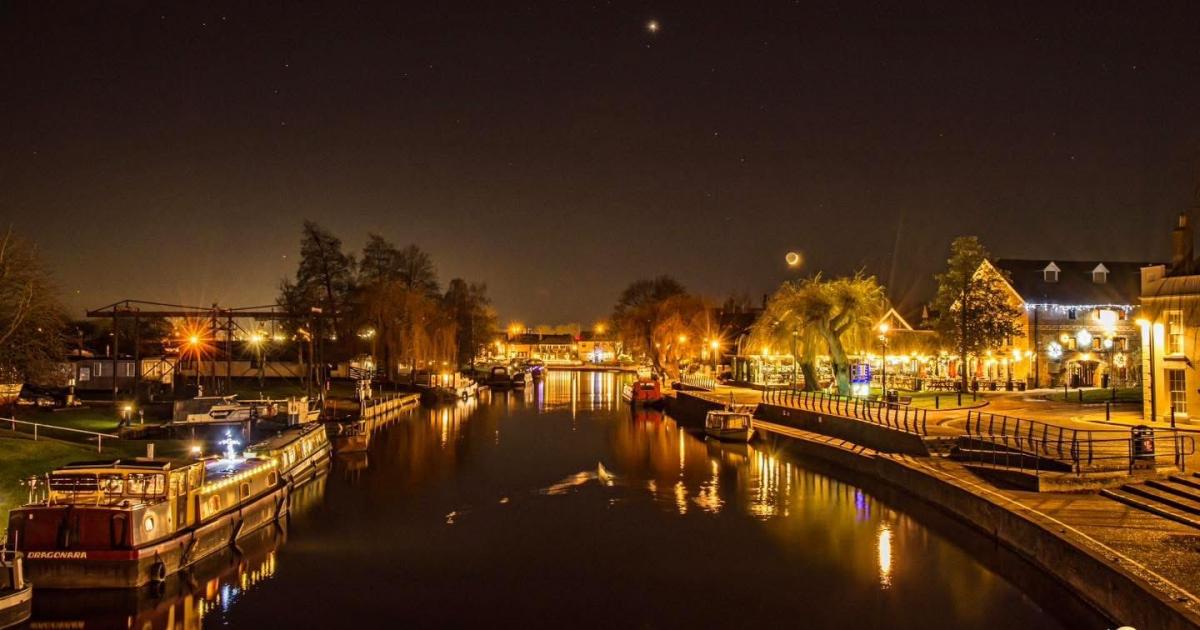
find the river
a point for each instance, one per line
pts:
(557, 506)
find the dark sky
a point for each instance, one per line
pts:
(559, 150)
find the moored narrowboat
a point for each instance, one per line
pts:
(123, 524)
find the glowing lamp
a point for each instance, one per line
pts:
(1083, 338)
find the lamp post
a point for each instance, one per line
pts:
(883, 339)
(1148, 337)
(795, 361)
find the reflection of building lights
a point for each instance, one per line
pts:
(884, 548)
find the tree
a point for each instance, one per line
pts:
(781, 326)
(841, 313)
(31, 317)
(661, 320)
(324, 278)
(974, 313)
(470, 308)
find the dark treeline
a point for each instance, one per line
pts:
(386, 301)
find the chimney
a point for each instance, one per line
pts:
(1181, 246)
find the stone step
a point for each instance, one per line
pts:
(1010, 459)
(1187, 481)
(1165, 498)
(1138, 502)
(1178, 489)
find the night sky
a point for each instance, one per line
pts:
(559, 150)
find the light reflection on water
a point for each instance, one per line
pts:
(557, 505)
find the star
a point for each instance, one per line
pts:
(652, 26)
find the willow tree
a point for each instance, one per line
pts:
(781, 326)
(841, 313)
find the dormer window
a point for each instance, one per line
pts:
(1050, 273)
(1100, 274)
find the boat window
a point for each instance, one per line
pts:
(245, 489)
(144, 483)
(112, 484)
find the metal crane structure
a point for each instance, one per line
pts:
(221, 323)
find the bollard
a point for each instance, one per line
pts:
(1107, 411)
(960, 398)
(1080, 392)
(937, 401)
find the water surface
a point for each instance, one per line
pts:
(559, 507)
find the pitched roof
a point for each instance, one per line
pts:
(1075, 284)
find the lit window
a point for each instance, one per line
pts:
(1174, 332)
(1177, 384)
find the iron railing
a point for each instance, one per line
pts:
(698, 381)
(1010, 438)
(886, 414)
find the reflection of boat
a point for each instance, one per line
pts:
(16, 595)
(351, 437)
(182, 601)
(647, 414)
(643, 393)
(735, 426)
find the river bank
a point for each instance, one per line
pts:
(1132, 565)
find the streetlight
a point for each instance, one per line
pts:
(1148, 331)
(883, 331)
(256, 340)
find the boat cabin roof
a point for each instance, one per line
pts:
(132, 464)
(216, 470)
(283, 438)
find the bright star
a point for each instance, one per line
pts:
(652, 26)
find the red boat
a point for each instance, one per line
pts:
(643, 392)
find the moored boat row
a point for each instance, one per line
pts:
(126, 523)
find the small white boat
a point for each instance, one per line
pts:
(16, 595)
(734, 426)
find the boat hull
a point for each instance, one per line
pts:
(16, 606)
(740, 435)
(132, 568)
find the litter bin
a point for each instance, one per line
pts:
(892, 396)
(1143, 442)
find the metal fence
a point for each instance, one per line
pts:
(698, 381)
(886, 414)
(1027, 444)
(36, 429)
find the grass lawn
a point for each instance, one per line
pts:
(1128, 395)
(21, 458)
(98, 419)
(928, 400)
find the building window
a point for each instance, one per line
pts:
(1174, 332)
(1100, 274)
(1071, 314)
(1121, 343)
(1177, 384)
